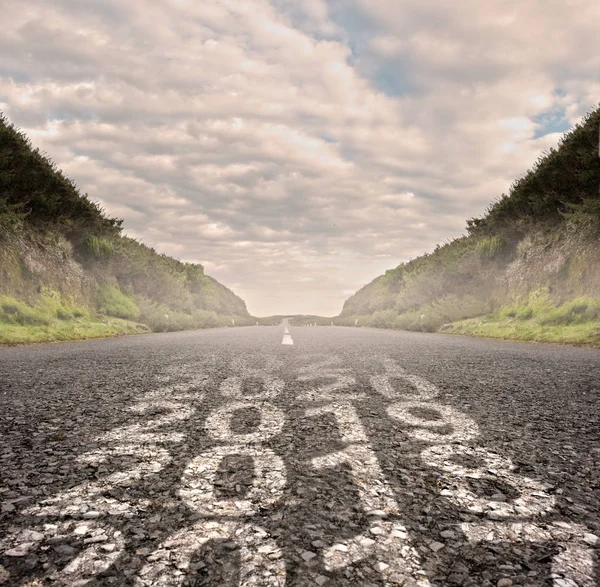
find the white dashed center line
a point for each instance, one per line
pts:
(287, 338)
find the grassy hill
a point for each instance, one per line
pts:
(529, 269)
(67, 271)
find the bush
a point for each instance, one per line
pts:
(538, 302)
(425, 319)
(15, 312)
(100, 248)
(64, 246)
(577, 311)
(584, 217)
(431, 317)
(53, 303)
(162, 318)
(525, 314)
(71, 312)
(541, 309)
(29, 180)
(383, 319)
(111, 301)
(560, 178)
(491, 247)
(49, 307)
(10, 223)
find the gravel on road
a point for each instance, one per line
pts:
(350, 457)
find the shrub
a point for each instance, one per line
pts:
(431, 317)
(54, 304)
(541, 309)
(70, 312)
(584, 217)
(536, 304)
(561, 177)
(64, 246)
(452, 308)
(383, 319)
(30, 180)
(162, 318)
(577, 311)
(10, 223)
(491, 247)
(425, 319)
(525, 314)
(113, 302)
(16, 312)
(100, 248)
(63, 314)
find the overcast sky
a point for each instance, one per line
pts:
(297, 149)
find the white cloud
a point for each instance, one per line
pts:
(259, 138)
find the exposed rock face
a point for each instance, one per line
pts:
(565, 264)
(28, 264)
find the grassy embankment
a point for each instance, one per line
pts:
(22, 324)
(529, 269)
(67, 272)
(538, 319)
(51, 318)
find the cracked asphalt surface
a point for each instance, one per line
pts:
(352, 457)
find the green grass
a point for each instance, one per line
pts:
(61, 330)
(535, 318)
(54, 318)
(587, 334)
(15, 312)
(538, 319)
(113, 302)
(49, 307)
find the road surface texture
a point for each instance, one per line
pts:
(326, 456)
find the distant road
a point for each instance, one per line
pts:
(350, 457)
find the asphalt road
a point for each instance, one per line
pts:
(350, 457)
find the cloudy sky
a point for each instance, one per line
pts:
(297, 149)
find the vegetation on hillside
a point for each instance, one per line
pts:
(83, 257)
(51, 320)
(543, 235)
(538, 318)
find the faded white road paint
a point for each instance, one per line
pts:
(260, 557)
(331, 383)
(197, 482)
(232, 386)
(287, 337)
(271, 422)
(413, 402)
(369, 479)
